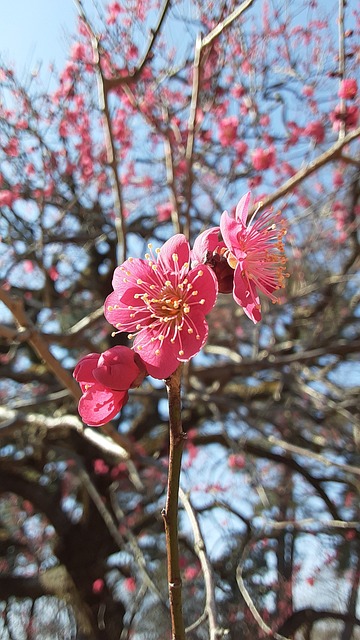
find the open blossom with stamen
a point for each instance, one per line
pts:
(105, 380)
(256, 253)
(162, 303)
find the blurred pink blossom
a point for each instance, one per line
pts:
(315, 130)
(348, 89)
(228, 130)
(263, 158)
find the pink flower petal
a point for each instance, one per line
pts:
(163, 366)
(229, 230)
(121, 313)
(207, 242)
(177, 245)
(242, 208)
(116, 368)
(245, 295)
(129, 272)
(193, 337)
(83, 371)
(98, 405)
(204, 279)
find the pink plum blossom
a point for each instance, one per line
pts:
(114, 9)
(256, 253)
(164, 211)
(307, 90)
(228, 130)
(241, 148)
(350, 117)
(12, 148)
(348, 89)
(315, 130)
(162, 302)
(7, 198)
(105, 380)
(263, 158)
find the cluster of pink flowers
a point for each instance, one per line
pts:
(161, 302)
(105, 380)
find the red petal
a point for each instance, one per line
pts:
(176, 245)
(116, 368)
(83, 371)
(98, 405)
(243, 208)
(246, 296)
(207, 286)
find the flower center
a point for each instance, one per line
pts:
(170, 304)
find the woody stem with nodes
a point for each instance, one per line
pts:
(170, 513)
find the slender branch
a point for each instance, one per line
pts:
(199, 546)
(310, 616)
(200, 47)
(301, 451)
(137, 552)
(330, 155)
(350, 160)
(250, 603)
(111, 151)
(113, 83)
(224, 24)
(169, 165)
(273, 361)
(27, 331)
(307, 525)
(191, 130)
(170, 513)
(341, 55)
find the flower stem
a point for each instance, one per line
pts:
(170, 513)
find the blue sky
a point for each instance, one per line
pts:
(33, 31)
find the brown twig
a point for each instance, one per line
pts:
(111, 151)
(301, 451)
(200, 47)
(26, 331)
(170, 513)
(191, 130)
(113, 83)
(169, 165)
(199, 547)
(224, 24)
(332, 154)
(341, 55)
(249, 601)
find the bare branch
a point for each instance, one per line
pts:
(199, 547)
(222, 26)
(250, 603)
(38, 344)
(331, 155)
